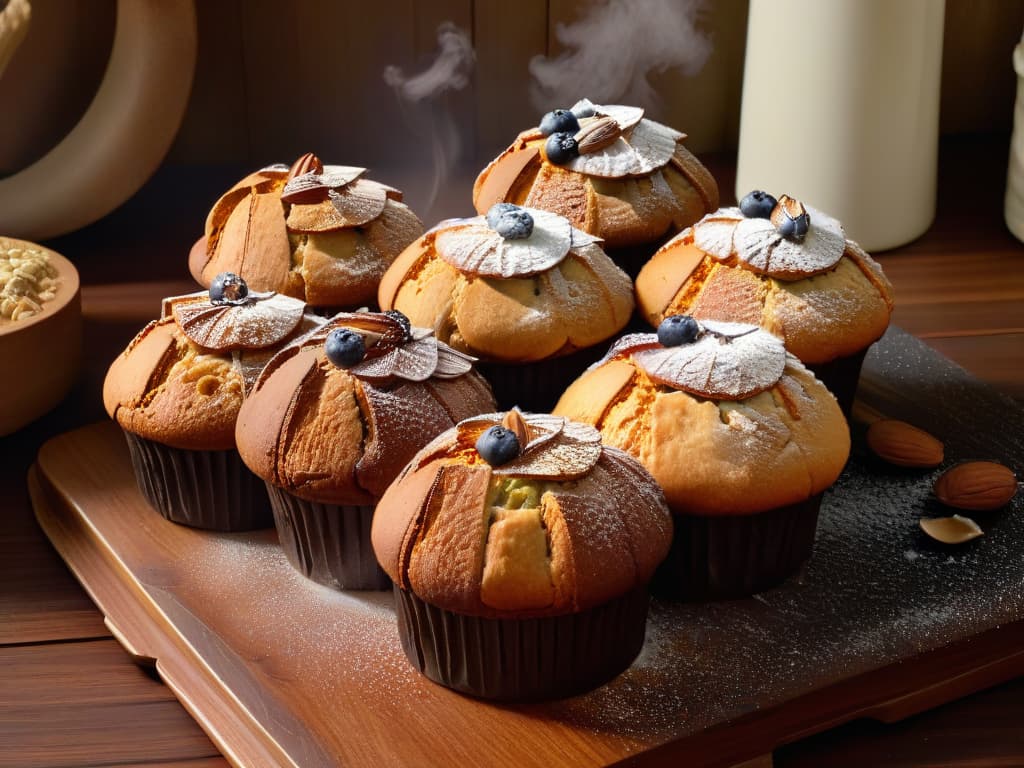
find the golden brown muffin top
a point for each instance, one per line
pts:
(182, 379)
(625, 178)
(727, 422)
(819, 292)
(556, 524)
(518, 285)
(335, 415)
(316, 232)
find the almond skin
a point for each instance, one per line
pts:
(903, 444)
(976, 485)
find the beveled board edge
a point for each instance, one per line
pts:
(149, 633)
(982, 661)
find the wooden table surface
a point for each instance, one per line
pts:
(70, 696)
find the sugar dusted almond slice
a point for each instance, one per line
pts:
(714, 233)
(557, 450)
(951, 530)
(413, 361)
(564, 455)
(650, 146)
(352, 206)
(596, 133)
(471, 246)
(626, 116)
(333, 177)
(259, 323)
(515, 422)
(729, 361)
(728, 234)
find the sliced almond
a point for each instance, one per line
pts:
(308, 163)
(596, 134)
(951, 530)
(976, 485)
(903, 444)
(515, 422)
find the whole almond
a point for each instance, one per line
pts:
(976, 485)
(597, 134)
(903, 444)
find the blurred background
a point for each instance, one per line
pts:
(424, 94)
(275, 79)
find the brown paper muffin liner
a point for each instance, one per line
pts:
(715, 557)
(537, 386)
(840, 377)
(522, 659)
(327, 543)
(212, 490)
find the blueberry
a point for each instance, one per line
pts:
(510, 221)
(228, 288)
(561, 148)
(498, 446)
(794, 229)
(677, 329)
(403, 321)
(757, 205)
(559, 121)
(344, 348)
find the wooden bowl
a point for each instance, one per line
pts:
(44, 352)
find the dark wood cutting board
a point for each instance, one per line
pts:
(279, 671)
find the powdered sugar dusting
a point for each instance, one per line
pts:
(731, 361)
(727, 234)
(648, 147)
(262, 321)
(470, 245)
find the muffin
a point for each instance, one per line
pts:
(332, 420)
(176, 391)
(319, 233)
(608, 170)
(781, 265)
(520, 549)
(521, 289)
(741, 436)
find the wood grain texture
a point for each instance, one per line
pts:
(85, 694)
(261, 657)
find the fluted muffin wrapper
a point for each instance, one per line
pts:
(526, 659)
(841, 377)
(536, 386)
(716, 557)
(327, 543)
(211, 490)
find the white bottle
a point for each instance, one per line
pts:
(1013, 208)
(841, 110)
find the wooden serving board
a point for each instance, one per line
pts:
(279, 671)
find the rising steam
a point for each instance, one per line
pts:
(614, 47)
(424, 110)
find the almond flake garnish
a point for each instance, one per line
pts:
(648, 147)
(727, 234)
(625, 115)
(389, 354)
(516, 423)
(354, 205)
(596, 133)
(470, 245)
(728, 361)
(310, 187)
(558, 449)
(263, 321)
